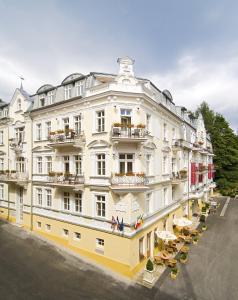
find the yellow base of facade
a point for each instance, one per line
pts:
(120, 255)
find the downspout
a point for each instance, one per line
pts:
(31, 226)
(8, 167)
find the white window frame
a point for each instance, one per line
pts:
(48, 197)
(1, 191)
(67, 92)
(50, 97)
(77, 236)
(48, 164)
(39, 196)
(78, 124)
(39, 165)
(100, 205)
(148, 160)
(100, 120)
(48, 227)
(65, 232)
(78, 164)
(148, 203)
(165, 133)
(100, 243)
(66, 201)
(38, 224)
(38, 132)
(165, 164)
(20, 134)
(79, 85)
(126, 160)
(47, 129)
(1, 137)
(101, 164)
(21, 164)
(78, 202)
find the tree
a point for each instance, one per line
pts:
(225, 147)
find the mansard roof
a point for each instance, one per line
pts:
(72, 77)
(44, 88)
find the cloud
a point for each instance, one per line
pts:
(194, 80)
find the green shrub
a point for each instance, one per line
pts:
(183, 256)
(202, 218)
(204, 209)
(149, 265)
(195, 239)
(174, 270)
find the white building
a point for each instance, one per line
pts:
(99, 148)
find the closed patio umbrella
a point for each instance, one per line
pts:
(182, 222)
(166, 235)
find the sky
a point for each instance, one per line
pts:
(188, 47)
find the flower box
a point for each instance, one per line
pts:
(117, 125)
(60, 131)
(140, 174)
(142, 126)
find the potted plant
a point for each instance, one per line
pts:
(195, 240)
(60, 131)
(51, 174)
(130, 174)
(174, 273)
(203, 220)
(130, 125)
(140, 174)
(183, 258)
(140, 126)
(148, 275)
(117, 125)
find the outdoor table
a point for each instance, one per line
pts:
(170, 250)
(172, 262)
(183, 237)
(194, 232)
(184, 249)
(165, 255)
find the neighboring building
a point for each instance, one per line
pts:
(77, 157)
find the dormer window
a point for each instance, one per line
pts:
(42, 101)
(67, 92)
(79, 88)
(50, 96)
(18, 104)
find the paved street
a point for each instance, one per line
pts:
(32, 269)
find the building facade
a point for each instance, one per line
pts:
(100, 162)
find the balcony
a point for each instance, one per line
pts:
(179, 144)
(178, 177)
(130, 182)
(66, 179)
(62, 138)
(16, 145)
(19, 178)
(129, 133)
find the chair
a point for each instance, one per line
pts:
(116, 132)
(158, 260)
(136, 132)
